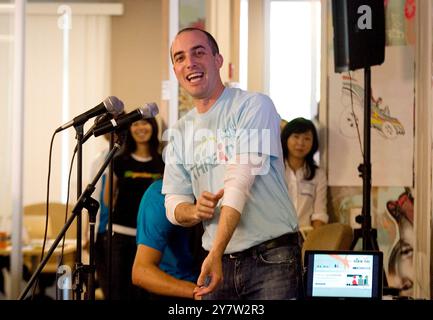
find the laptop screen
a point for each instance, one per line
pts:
(343, 274)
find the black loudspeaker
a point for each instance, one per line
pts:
(359, 33)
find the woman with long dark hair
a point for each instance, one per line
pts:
(306, 182)
(137, 166)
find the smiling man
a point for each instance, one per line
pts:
(227, 173)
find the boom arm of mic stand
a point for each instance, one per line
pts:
(81, 203)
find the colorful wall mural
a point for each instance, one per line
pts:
(392, 217)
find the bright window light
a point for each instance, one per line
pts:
(295, 57)
(243, 47)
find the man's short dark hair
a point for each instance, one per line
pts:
(211, 40)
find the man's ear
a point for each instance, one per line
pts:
(219, 60)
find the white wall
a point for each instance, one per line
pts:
(6, 67)
(89, 83)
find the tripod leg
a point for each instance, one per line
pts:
(373, 245)
(373, 240)
(356, 236)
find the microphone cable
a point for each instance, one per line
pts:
(355, 118)
(66, 218)
(47, 214)
(46, 211)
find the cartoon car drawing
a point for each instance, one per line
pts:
(381, 119)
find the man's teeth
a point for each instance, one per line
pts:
(195, 77)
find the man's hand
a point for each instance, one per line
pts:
(189, 214)
(206, 204)
(211, 275)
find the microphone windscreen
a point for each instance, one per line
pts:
(114, 105)
(150, 110)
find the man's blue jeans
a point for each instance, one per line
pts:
(275, 274)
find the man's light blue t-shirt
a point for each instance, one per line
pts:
(240, 123)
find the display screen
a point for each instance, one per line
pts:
(344, 274)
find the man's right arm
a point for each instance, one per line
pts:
(185, 214)
(182, 212)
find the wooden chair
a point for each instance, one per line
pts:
(332, 236)
(34, 220)
(34, 223)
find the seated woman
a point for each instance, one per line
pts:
(306, 182)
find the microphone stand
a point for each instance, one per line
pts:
(84, 201)
(107, 253)
(77, 279)
(110, 221)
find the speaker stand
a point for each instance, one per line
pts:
(368, 235)
(366, 232)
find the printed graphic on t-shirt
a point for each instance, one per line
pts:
(134, 175)
(211, 151)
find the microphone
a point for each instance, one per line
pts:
(99, 119)
(150, 110)
(111, 105)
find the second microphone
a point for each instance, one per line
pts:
(149, 110)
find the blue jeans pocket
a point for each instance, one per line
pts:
(280, 255)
